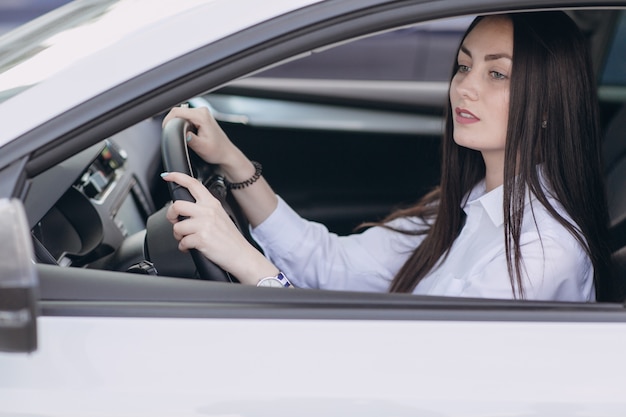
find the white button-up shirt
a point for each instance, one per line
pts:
(554, 265)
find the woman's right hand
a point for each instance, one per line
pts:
(205, 226)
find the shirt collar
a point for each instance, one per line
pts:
(492, 201)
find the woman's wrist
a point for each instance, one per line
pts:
(237, 167)
(258, 170)
(257, 267)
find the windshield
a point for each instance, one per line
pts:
(54, 41)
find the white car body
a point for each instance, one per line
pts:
(192, 367)
(465, 360)
(176, 27)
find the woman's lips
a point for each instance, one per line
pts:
(465, 116)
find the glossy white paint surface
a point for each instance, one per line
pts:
(208, 367)
(126, 43)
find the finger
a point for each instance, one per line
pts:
(182, 229)
(173, 113)
(179, 178)
(193, 234)
(171, 214)
(186, 243)
(197, 116)
(177, 236)
(185, 228)
(202, 147)
(180, 209)
(191, 138)
(195, 187)
(199, 241)
(178, 112)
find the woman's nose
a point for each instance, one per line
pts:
(467, 86)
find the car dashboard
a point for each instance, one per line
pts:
(91, 210)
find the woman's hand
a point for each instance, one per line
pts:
(257, 201)
(208, 228)
(210, 142)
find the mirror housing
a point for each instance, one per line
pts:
(19, 289)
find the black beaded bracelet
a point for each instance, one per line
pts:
(258, 170)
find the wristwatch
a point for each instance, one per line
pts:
(279, 281)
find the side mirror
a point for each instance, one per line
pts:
(18, 281)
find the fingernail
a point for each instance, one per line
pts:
(189, 137)
(164, 174)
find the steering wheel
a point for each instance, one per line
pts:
(176, 158)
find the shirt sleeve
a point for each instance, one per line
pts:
(554, 267)
(313, 257)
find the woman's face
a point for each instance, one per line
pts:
(479, 92)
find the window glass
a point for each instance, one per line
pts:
(424, 52)
(615, 68)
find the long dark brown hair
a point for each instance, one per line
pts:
(551, 79)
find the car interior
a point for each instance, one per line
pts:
(342, 145)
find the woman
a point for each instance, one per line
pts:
(520, 211)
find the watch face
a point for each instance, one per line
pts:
(271, 282)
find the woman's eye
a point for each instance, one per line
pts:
(497, 75)
(462, 68)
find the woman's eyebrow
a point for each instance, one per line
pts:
(488, 57)
(493, 57)
(466, 51)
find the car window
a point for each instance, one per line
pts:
(615, 68)
(351, 97)
(423, 52)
